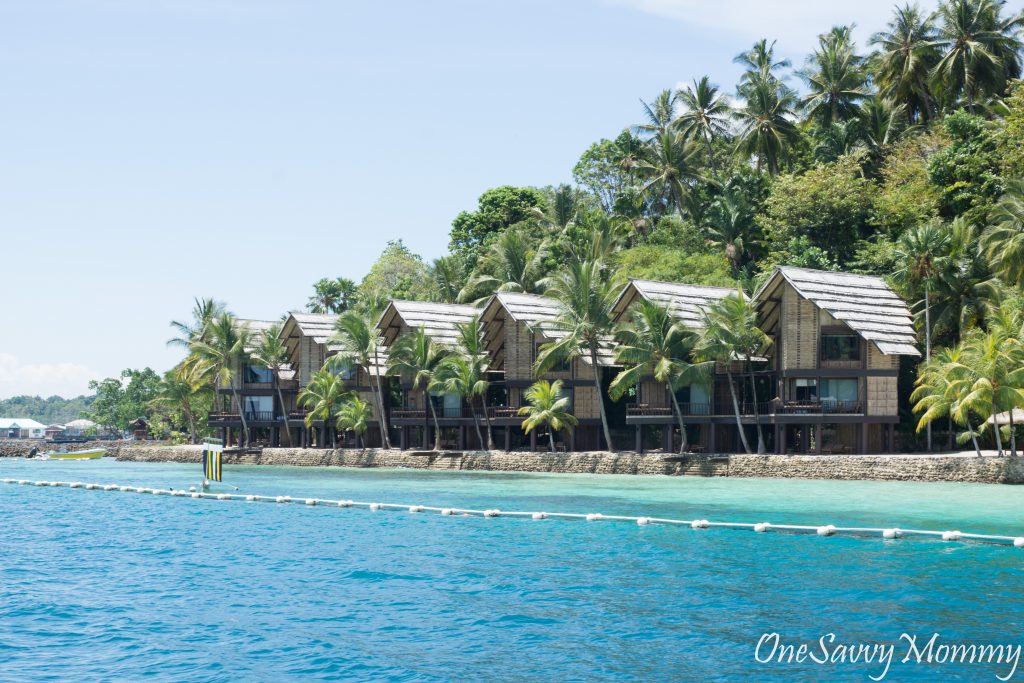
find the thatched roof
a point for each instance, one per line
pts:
(534, 310)
(685, 303)
(864, 302)
(320, 327)
(437, 320)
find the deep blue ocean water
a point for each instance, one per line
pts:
(121, 586)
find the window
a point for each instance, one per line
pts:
(348, 373)
(805, 389)
(838, 390)
(255, 374)
(447, 405)
(839, 347)
(258, 407)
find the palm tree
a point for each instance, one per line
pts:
(272, 354)
(731, 228)
(941, 385)
(767, 123)
(731, 333)
(659, 114)
(907, 55)
(995, 360)
(561, 209)
(462, 376)
(761, 64)
(668, 166)
(203, 312)
(654, 345)
(449, 277)
(323, 395)
(332, 296)
(220, 353)
(549, 407)
(181, 392)
(835, 78)
(921, 251)
(354, 416)
(584, 322)
(705, 114)
(964, 288)
(473, 349)
(359, 346)
(981, 50)
(1003, 241)
(418, 357)
(883, 123)
(512, 264)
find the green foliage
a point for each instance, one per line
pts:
(655, 262)
(967, 171)
(121, 400)
(52, 410)
(498, 209)
(548, 407)
(1010, 139)
(906, 196)
(332, 295)
(397, 274)
(829, 205)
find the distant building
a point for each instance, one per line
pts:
(53, 431)
(21, 428)
(77, 428)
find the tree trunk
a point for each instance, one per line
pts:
(600, 400)
(487, 419)
(928, 349)
(333, 430)
(757, 411)
(280, 397)
(998, 431)
(476, 423)
(437, 425)
(385, 439)
(683, 445)
(551, 439)
(241, 416)
(736, 409)
(974, 438)
(1013, 436)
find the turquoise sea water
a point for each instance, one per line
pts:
(120, 586)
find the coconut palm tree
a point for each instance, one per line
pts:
(355, 416)
(941, 385)
(964, 288)
(513, 263)
(332, 296)
(449, 277)
(270, 352)
(767, 123)
(203, 312)
(323, 397)
(463, 377)
(1003, 241)
(548, 406)
(731, 229)
(836, 79)
(359, 347)
(655, 345)
(705, 112)
(181, 393)
(907, 55)
(584, 323)
(668, 167)
(761, 64)
(659, 114)
(220, 353)
(1000, 376)
(731, 333)
(473, 349)
(981, 50)
(882, 124)
(418, 357)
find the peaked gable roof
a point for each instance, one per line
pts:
(865, 303)
(685, 303)
(437, 320)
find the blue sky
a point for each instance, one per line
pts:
(160, 150)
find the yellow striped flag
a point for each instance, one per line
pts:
(211, 462)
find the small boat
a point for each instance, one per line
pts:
(88, 454)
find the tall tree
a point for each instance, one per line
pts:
(473, 348)
(359, 347)
(220, 354)
(941, 386)
(658, 114)
(836, 79)
(768, 130)
(655, 345)
(907, 55)
(1003, 241)
(513, 263)
(270, 353)
(203, 312)
(463, 377)
(584, 324)
(323, 396)
(354, 417)
(731, 229)
(705, 112)
(761, 64)
(418, 357)
(668, 167)
(548, 406)
(332, 295)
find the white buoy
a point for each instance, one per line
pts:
(826, 530)
(75, 485)
(110, 487)
(891, 533)
(42, 483)
(178, 492)
(344, 503)
(282, 499)
(250, 499)
(492, 513)
(594, 517)
(311, 501)
(24, 481)
(196, 495)
(950, 535)
(643, 521)
(224, 496)
(90, 486)
(8, 481)
(762, 527)
(699, 524)
(415, 508)
(374, 507)
(192, 489)
(1018, 542)
(160, 492)
(447, 512)
(539, 515)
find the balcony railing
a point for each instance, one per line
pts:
(250, 416)
(822, 407)
(494, 412)
(644, 410)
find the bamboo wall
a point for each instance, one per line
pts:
(799, 329)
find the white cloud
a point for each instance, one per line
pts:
(794, 23)
(44, 379)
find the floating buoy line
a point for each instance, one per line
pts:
(758, 527)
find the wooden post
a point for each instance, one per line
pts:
(864, 438)
(639, 439)
(891, 438)
(711, 438)
(533, 439)
(779, 445)
(666, 439)
(462, 437)
(508, 438)
(572, 439)
(817, 438)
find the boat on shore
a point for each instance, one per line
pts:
(87, 454)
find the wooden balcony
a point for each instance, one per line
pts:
(637, 411)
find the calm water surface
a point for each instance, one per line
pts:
(119, 586)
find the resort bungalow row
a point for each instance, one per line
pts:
(826, 384)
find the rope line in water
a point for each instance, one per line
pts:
(760, 527)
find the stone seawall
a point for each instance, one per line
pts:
(19, 448)
(880, 467)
